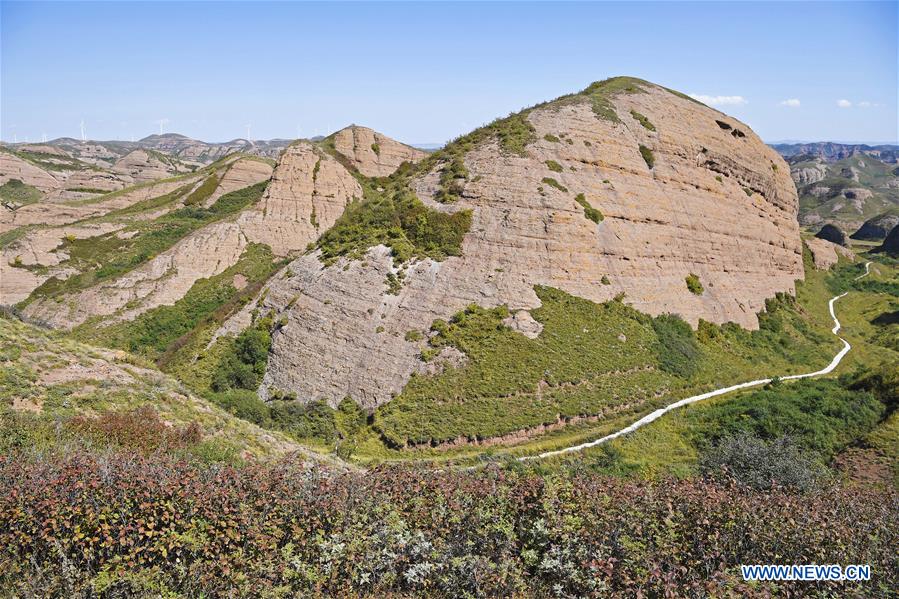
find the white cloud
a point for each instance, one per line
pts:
(844, 103)
(866, 104)
(720, 100)
(791, 103)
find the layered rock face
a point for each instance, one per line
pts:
(373, 154)
(13, 167)
(142, 166)
(679, 188)
(308, 192)
(826, 254)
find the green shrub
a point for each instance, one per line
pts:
(551, 138)
(553, 183)
(202, 193)
(554, 166)
(589, 211)
(762, 464)
(244, 365)
(399, 220)
(646, 153)
(642, 120)
(694, 284)
(676, 349)
(414, 335)
(376, 149)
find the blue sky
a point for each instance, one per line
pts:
(427, 72)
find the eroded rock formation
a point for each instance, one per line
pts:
(373, 154)
(679, 188)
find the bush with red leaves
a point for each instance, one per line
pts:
(126, 524)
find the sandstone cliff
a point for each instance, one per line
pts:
(309, 190)
(625, 188)
(373, 154)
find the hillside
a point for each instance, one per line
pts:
(580, 194)
(568, 266)
(844, 185)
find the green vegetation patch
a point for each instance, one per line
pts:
(154, 332)
(203, 191)
(108, 256)
(553, 183)
(694, 284)
(643, 120)
(399, 220)
(554, 166)
(589, 211)
(647, 155)
(19, 193)
(590, 359)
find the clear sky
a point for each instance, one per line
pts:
(427, 72)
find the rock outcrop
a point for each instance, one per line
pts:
(876, 228)
(826, 254)
(308, 192)
(13, 167)
(674, 188)
(833, 234)
(143, 165)
(890, 245)
(373, 154)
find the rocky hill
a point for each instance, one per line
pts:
(845, 185)
(832, 152)
(185, 149)
(626, 189)
(534, 261)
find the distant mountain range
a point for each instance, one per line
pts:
(832, 151)
(843, 184)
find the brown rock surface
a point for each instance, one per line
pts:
(738, 234)
(161, 281)
(242, 173)
(13, 167)
(142, 166)
(308, 192)
(373, 154)
(825, 254)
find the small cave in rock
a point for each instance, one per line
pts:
(724, 125)
(737, 133)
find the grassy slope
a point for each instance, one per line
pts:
(108, 256)
(60, 378)
(672, 443)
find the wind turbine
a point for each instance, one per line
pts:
(162, 122)
(43, 137)
(249, 139)
(83, 138)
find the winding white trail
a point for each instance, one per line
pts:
(688, 400)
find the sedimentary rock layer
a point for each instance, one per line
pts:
(682, 189)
